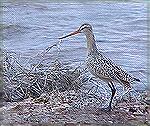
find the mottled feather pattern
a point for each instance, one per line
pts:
(103, 67)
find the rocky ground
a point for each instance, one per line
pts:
(44, 112)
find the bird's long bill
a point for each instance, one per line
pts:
(73, 33)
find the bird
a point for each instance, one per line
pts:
(101, 66)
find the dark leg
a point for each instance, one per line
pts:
(113, 93)
(113, 90)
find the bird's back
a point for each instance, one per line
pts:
(103, 68)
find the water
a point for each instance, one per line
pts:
(120, 30)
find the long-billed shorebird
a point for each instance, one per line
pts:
(101, 66)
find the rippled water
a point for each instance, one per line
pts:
(120, 30)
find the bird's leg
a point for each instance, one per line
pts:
(113, 93)
(113, 90)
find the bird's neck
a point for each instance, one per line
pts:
(91, 45)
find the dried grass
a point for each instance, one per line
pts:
(34, 79)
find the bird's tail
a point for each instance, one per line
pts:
(136, 79)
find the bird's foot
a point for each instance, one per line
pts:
(107, 109)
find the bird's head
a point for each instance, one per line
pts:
(82, 29)
(85, 28)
